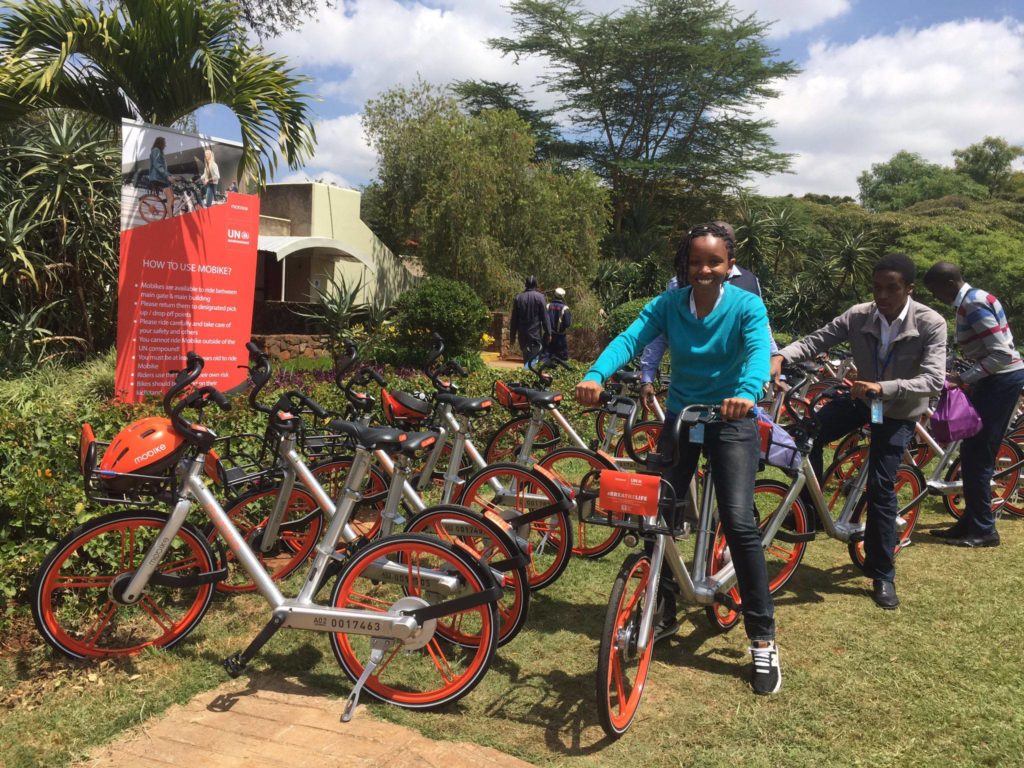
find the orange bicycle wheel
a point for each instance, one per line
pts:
(73, 596)
(431, 670)
(621, 665)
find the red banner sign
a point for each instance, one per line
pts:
(186, 283)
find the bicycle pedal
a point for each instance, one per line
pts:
(234, 665)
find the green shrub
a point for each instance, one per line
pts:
(448, 307)
(620, 318)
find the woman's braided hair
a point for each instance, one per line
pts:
(711, 229)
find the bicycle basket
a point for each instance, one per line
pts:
(402, 409)
(644, 503)
(508, 398)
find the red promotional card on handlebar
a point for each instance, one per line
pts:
(625, 493)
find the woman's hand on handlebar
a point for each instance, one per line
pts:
(734, 408)
(588, 393)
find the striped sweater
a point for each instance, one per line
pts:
(983, 335)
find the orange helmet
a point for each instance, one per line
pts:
(148, 446)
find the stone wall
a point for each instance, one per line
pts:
(287, 346)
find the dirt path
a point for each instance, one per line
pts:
(269, 722)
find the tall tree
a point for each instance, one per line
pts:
(907, 178)
(662, 95)
(477, 95)
(989, 163)
(158, 60)
(268, 18)
(469, 195)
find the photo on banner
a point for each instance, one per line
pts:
(187, 260)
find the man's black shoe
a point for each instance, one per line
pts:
(884, 594)
(977, 542)
(953, 532)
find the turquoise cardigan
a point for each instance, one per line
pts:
(723, 355)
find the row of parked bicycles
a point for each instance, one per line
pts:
(415, 544)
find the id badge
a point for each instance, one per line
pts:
(877, 411)
(697, 433)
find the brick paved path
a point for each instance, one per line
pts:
(270, 725)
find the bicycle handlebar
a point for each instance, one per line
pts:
(193, 434)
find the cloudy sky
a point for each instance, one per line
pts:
(878, 76)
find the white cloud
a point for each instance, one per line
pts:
(928, 91)
(342, 155)
(790, 16)
(384, 43)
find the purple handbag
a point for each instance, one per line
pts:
(954, 417)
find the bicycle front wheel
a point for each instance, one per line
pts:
(152, 208)
(74, 595)
(622, 665)
(440, 671)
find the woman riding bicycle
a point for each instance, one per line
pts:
(718, 339)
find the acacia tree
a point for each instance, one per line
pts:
(661, 95)
(159, 60)
(469, 193)
(989, 163)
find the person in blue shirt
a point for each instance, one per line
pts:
(718, 340)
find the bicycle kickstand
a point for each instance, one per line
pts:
(379, 645)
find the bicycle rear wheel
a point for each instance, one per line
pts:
(73, 594)
(1005, 482)
(298, 533)
(152, 207)
(621, 665)
(781, 558)
(366, 517)
(487, 541)
(909, 484)
(508, 440)
(439, 671)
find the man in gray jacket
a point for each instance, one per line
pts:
(899, 347)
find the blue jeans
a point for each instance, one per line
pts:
(994, 398)
(211, 190)
(732, 448)
(888, 444)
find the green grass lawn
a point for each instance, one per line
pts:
(937, 682)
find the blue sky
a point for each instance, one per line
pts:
(878, 77)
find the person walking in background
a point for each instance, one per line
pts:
(210, 178)
(993, 384)
(530, 321)
(159, 179)
(560, 319)
(899, 347)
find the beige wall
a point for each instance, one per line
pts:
(323, 210)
